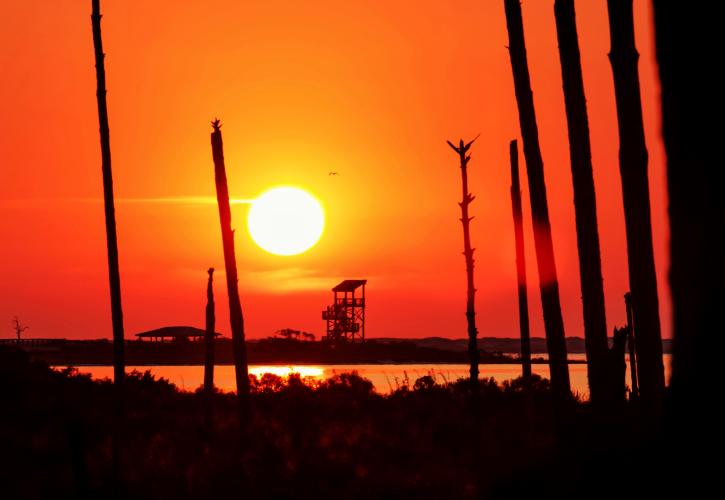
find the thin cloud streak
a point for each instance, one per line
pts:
(171, 200)
(184, 200)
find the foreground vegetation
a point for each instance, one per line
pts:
(332, 438)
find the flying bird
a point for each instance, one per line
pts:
(333, 173)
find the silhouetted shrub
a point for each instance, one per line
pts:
(335, 438)
(424, 383)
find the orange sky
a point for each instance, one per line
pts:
(369, 89)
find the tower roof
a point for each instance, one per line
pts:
(175, 332)
(349, 285)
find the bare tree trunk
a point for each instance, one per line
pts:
(112, 248)
(635, 191)
(548, 281)
(632, 351)
(467, 198)
(111, 239)
(209, 336)
(688, 50)
(235, 307)
(601, 388)
(520, 261)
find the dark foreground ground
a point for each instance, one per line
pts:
(334, 439)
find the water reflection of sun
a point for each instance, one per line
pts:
(315, 372)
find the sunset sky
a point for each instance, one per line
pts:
(368, 89)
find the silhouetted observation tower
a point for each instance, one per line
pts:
(346, 316)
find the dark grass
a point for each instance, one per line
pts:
(336, 438)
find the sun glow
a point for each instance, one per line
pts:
(286, 221)
(285, 371)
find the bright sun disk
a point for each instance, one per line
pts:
(286, 221)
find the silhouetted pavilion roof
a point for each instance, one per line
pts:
(175, 332)
(349, 285)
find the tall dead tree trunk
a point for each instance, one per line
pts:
(520, 261)
(688, 50)
(111, 238)
(114, 277)
(236, 318)
(467, 198)
(548, 281)
(635, 192)
(601, 386)
(209, 336)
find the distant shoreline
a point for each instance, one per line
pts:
(294, 363)
(575, 345)
(283, 352)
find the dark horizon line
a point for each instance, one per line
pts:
(223, 337)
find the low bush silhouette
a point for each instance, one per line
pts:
(336, 437)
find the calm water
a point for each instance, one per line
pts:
(385, 378)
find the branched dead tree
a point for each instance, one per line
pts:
(633, 161)
(18, 327)
(548, 281)
(236, 317)
(520, 261)
(467, 198)
(209, 336)
(602, 388)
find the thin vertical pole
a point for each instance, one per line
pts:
(114, 277)
(353, 313)
(364, 306)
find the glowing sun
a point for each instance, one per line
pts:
(286, 221)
